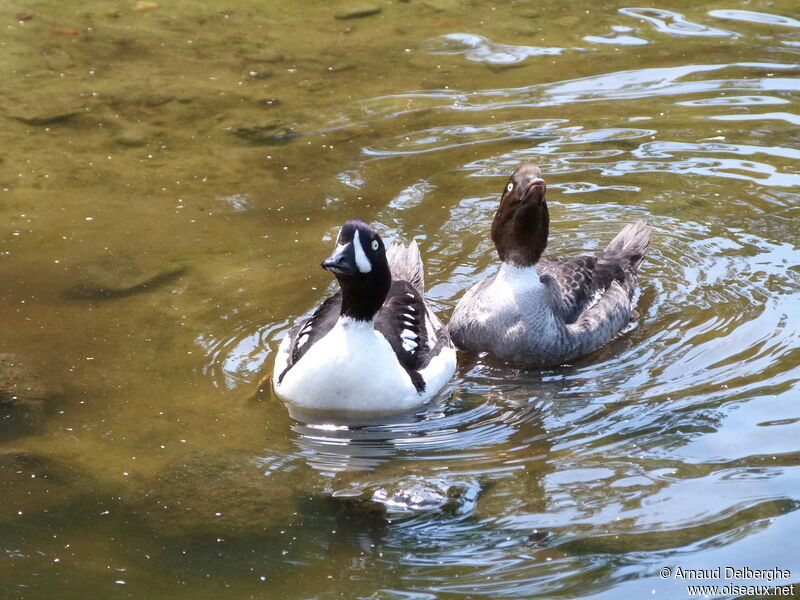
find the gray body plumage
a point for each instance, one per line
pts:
(556, 310)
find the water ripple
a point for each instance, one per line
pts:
(240, 355)
(621, 85)
(618, 37)
(480, 49)
(453, 136)
(555, 163)
(734, 101)
(755, 17)
(672, 23)
(437, 433)
(776, 116)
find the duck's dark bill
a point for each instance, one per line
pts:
(535, 189)
(342, 263)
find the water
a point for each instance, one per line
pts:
(170, 178)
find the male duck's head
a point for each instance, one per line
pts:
(360, 266)
(520, 226)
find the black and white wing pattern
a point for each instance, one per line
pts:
(402, 321)
(582, 280)
(306, 333)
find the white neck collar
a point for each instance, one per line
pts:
(518, 277)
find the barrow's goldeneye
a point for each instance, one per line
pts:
(373, 347)
(543, 311)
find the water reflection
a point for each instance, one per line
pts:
(619, 36)
(556, 163)
(623, 85)
(734, 101)
(466, 427)
(448, 137)
(755, 17)
(238, 358)
(672, 23)
(480, 49)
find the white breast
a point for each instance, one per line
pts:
(515, 292)
(352, 368)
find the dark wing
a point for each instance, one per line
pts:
(306, 333)
(401, 320)
(581, 280)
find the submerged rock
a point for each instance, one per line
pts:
(44, 112)
(264, 55)
(145, 5)
(265, 135)
(59, 61)
(223, 494)
(442, 5)
(418, 495)
(117, 276)
(359, 502)
(132, 137)
(259, 74)
(148, 96)
(153, 99)
(409, 496)
(268, 102)
(25, 395)
(32, 483)
(358, 11)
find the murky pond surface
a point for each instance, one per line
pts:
(171, 175)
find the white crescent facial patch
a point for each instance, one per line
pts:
(362, 262)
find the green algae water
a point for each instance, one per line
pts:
(171, 175)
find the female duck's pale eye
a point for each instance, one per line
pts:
(510, 187)
(375, 244)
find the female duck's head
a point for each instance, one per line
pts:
(521, 223)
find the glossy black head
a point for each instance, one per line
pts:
(360, 266)
(521, 223)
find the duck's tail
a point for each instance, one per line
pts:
(630, 244)
(406, 263)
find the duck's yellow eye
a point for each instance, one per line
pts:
(510, 187)
(375, 244)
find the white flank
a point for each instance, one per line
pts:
(281, 358)
(353, 368)
(442, 366)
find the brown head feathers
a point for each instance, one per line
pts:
(521, 223)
